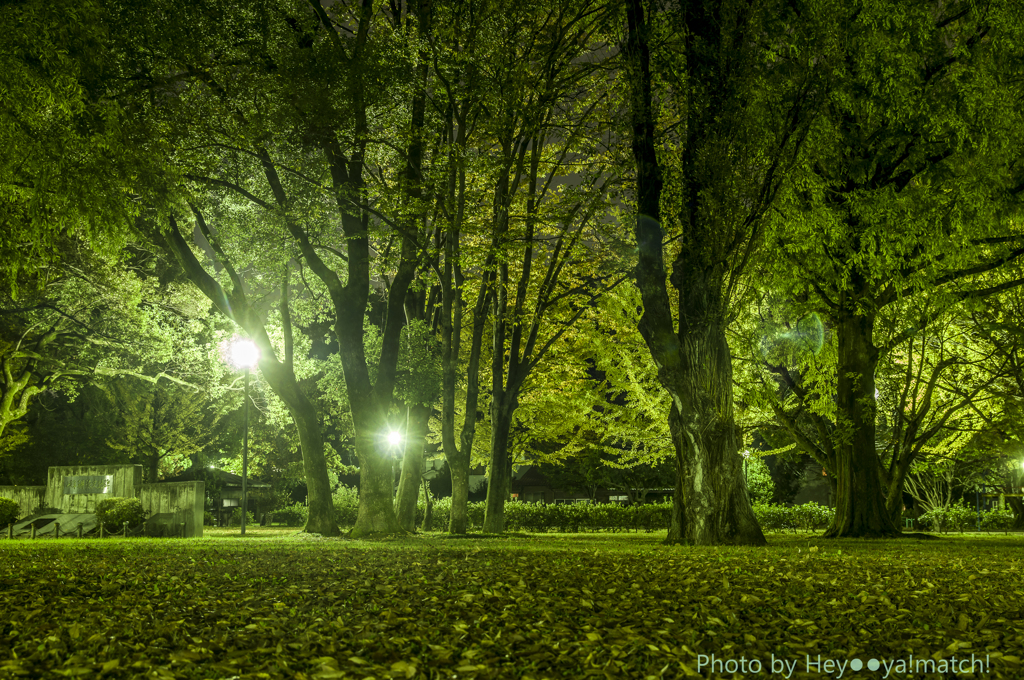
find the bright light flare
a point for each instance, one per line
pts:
(394, 438)
(244, 354)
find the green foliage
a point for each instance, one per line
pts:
(292, 516)
(956, 517)
(114, 513)
(997, 520)
(568, 517)
(760, 486)
(9, 512)
(808, 517)
(235, 518)
(346, 505)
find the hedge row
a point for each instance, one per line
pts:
(574, 517)
(961, 517)
(809, 517)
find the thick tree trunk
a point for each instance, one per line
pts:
(694, 364)
(279, 375)
(711, 490)
(376, 474)
(412, 467)
(498, 470)
(318, 487)
(861, 509)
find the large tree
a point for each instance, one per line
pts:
(720, 94)
(301, 152)
(903, 203)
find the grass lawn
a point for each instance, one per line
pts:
(546, 606)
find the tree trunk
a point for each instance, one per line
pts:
(458, 521)
(412, 467)
(376, 474)
(314, 464)
(428, 511)
(694, 363)
(279, 375)
(675, 524)
(498, 470)
(861, 510)
(711, 493)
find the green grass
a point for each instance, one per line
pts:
(273, 604)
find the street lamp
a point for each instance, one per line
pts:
(244, 355)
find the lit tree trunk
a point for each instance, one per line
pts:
(861, 509)
(498, 469)
(428, 511)
(694, 364)
(412, 466)
(711, 505)
(280, 375)
(458, 522)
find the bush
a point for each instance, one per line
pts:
(235, 518)
(809, 516)
(208, 519)
(346, 506)
(9, 511)
(997, 519)
(760, 486)
(957, 517)
(113, 513)
(570, 517)
(292, 516)
(774, 517)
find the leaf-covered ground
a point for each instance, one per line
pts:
(538, 607)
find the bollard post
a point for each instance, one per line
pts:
(79, 529)
(56, 529)
(33, 531)
(10, 531)
(101, 529)
(124, 530)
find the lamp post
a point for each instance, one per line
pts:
(245, 355)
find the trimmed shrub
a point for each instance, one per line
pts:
(774, 517)
(998, 520)
(809, 516)
(958, 517)
(569, 517)
(9, 512)
(113, 513)
(235, 518)
(292, 516)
